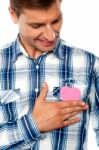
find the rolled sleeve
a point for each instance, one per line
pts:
(28, 129)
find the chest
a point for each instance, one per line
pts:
(20, 82)
(29, 77)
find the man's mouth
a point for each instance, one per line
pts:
(46, 43)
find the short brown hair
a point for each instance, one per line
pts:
(19, 5)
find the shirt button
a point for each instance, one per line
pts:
(37, 67)
(2, 100)
(36, 90)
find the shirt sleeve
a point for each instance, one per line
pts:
(22, 132)
(15, 131)
(28, 129)
(95, 100)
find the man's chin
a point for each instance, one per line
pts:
(48, 49)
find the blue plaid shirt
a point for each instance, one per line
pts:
(21, 79)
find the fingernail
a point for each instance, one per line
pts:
(86, 106)
(83, 103)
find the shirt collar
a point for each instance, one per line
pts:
(19, 50)
(59, 49)
(23, 50)
(16, 50)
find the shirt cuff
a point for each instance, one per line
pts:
(28, 129)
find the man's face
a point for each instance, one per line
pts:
(39, 29)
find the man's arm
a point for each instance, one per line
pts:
(46, 116)
(17, 132)
(95, 100)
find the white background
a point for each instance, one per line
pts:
(80, 28)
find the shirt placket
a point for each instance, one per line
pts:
(37, 67)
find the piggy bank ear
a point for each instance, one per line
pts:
(68, 93)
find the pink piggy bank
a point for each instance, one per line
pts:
(68, 93)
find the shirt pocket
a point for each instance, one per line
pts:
(82, 85)
(8, 109)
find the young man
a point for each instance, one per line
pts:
(33, 69)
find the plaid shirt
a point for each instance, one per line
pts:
(21, 78)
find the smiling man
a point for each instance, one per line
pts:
(34, 69)
(39, 27)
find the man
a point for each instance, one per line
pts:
(33, 69)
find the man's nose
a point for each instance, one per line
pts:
(49, 33)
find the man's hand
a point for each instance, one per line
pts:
(54, 115)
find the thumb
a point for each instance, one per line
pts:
(44, 91)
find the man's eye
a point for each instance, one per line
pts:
(35, 26)
(56, 21)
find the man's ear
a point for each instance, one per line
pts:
(13, 15)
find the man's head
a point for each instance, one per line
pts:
(39, 23)
(20, 5)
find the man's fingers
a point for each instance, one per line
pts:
(73, 109)
(70, 122)
(43, 91)
(68, 116)
(68, 104)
